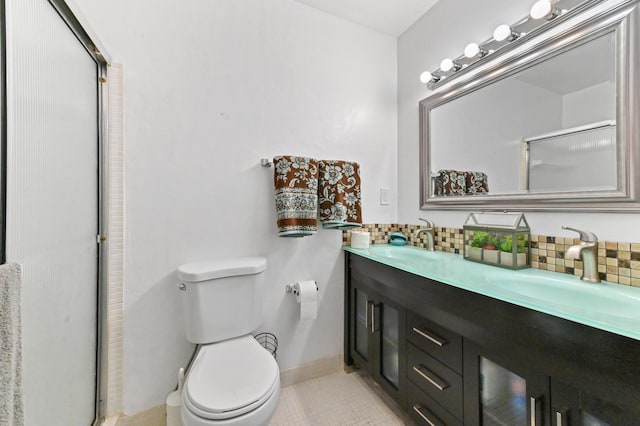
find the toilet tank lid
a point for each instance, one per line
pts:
(211, 270)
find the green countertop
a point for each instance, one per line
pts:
(606, 306)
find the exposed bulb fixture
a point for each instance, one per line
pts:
(504, 32)
(473, 49)
(543, 9)
(427, 77)
(447, 64)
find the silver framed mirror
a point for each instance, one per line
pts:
(550, 125)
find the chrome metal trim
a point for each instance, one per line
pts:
(434, 338)
(577, 129)
(624, 20)
(418, 409)
(437, 382)
(532, 413)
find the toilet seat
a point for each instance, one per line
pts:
(230, 378)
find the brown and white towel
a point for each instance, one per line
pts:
(452, 182)
(476, 183)
(296, 195)
(339, 192)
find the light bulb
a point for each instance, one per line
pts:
(426, 77)
(472, 50)
(446, 64)
(504, 32)
(543, 9)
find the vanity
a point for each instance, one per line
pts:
(460, 343)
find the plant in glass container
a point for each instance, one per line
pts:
(490, 252)
(507, 251)
(477, 243)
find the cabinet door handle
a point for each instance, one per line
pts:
(367, 315)
(373, 327)
(427, 416)
(431, 336)
(430, 377)
(534, 405)
(561, 416)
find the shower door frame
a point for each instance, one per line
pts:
(97, 52)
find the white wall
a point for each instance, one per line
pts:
(421, 48)
(211, 87)
(483, 130)
(590, 105)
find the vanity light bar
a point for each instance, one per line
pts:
(541, 12)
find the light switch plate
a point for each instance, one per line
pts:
(384, 197)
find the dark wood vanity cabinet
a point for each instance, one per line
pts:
(377, 343)
(468, 359)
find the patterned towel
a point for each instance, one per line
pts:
(452, 182)
(296, 193)
(476, 183)
(340, 204)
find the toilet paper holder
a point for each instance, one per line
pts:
(295, 288)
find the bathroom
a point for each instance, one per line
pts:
(208, 89)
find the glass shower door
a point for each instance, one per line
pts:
(52, 210)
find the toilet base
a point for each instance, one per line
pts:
(258, 417)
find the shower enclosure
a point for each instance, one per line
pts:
(53, 181)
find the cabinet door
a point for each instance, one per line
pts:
(573, 407)
(388, 321)
(502, 391)
(360, 345)
(378, 339)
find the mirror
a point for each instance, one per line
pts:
(548, 129)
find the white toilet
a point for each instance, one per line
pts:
(233, 380)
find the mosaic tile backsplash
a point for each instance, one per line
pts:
(617, 262)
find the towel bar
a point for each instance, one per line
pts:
(266, 162)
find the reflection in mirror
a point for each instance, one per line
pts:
(549, 125)
(538, 130)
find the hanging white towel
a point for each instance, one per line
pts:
(11, 403)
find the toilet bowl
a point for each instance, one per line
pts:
(233, 380)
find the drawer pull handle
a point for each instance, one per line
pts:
(435, 380)
(431, 336)
(433, 421)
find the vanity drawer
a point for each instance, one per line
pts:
(425, 411)
(437, 341)
(439, 382)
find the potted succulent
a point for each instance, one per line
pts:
(475, 249)
(506, 248)
(490, 249)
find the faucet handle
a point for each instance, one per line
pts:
(587, 237)
(430, 224)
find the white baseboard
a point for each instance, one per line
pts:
(311, 370)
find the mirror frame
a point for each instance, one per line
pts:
(623, 19)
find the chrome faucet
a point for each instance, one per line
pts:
(430, 234)
(587, 250)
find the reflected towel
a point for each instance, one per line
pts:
(340, 198)
(296, 195)
(476, 183)
(453, 182)
(11, 404)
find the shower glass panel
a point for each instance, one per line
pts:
(52, 210)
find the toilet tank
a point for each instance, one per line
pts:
(222, 299)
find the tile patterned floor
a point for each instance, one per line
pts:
(338, 399)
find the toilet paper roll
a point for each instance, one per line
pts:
(308, 299)
(360, 240)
